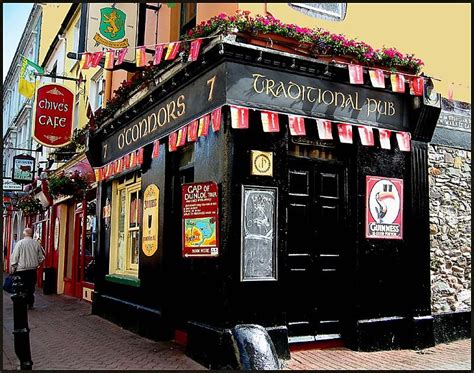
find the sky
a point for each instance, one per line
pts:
(14, 21)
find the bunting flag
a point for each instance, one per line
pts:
(239, 117)
(101, 173)
(119, 166)
(216, 116)
(133, 159)
(356, 74)
(126, 161)
(172, 50)
(97, 174)
(384, 138)
(181, 140)
(398, 83)
(140, 56)
(296, 124)
(194, 49)
(451, 92)
(416, 86)
(377, 78)
(270, 121)
(96, 57)
(324, 129)
(345, 133)
(366, 135)
(109, 60)
(86, 60)
(204, 125)
(121, 56)
(172, 141)
(159, 48)
(140, 156)
(156, 149)
(193, 131)
(404, 139)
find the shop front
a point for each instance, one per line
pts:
(268, 191)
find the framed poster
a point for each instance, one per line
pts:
(200, 219)
(151, 198)
(23, 169)
(259, 233)
(384, 208)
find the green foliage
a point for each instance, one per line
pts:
(30, 205)
(67, 185)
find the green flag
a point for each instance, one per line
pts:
(27, 79)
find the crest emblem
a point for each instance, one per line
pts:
(112, 23)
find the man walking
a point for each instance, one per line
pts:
(27, 257)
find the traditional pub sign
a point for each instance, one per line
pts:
(23, 169)
(200, 219)
(54, 108)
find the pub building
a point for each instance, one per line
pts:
(316, 237)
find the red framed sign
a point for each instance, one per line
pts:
(200, 219)
(384, 208)
(54, 108)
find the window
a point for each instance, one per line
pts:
(75, 46)
(187, 17)
(76, 110)
(97, 91)
(126, 219)
(329, 11)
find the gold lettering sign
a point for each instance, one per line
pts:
(151, 199)
(261, 163)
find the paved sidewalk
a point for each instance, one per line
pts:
(65, 336)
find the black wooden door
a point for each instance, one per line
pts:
(316, 232)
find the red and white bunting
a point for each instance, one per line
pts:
(404, 140)
(119, 166)
(398, 82)
(96, 57)
(451, 92)
(324, 129)
(194, 49)
(140, 156)
(133, 159)
(345, 133)
(126, 161)
(416, 86)
(121, 56)
(204, 125)
(181, 140)
(159, 48)
(156, 149)
(270, 121)
(172, 50)
(239, 117)
(86, 60)
(109, 60)
(193, 130)
(356, 74)
(172, 141)
(384, 138)
(140, 56)
(377, 78)
(216, 117)
(366, 135)
(296, 124)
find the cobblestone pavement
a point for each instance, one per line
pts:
(65, 336)
(448, 356)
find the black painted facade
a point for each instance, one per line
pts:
(383, 300)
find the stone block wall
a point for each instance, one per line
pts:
(450, 228)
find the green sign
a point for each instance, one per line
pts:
(112, 23)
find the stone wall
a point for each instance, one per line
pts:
(450, 228)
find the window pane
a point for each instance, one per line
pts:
(121, 232)
(134, 247)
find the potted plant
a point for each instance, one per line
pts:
(30, 205)
(72, 184)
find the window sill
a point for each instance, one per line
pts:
(124, 280)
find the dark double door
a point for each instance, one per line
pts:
(316, 216)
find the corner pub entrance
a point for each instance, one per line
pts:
(316, 234)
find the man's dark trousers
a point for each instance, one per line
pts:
(28, 278)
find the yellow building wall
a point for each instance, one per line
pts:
(52, 16)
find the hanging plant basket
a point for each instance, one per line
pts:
(30, 205)
(67, 185)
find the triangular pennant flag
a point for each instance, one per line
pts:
(113, 165)
(86, 60)
(451, 91)
(158, 54)
(96, 57)
(126, 161)
(270, 121)
(384, 138)
(97, 174)
(239, 117)
(193, 131)
(133, 159)
(356, 74)
(324, 129)
(366, 135)
(172, 141)
(216, 116)
(194, 49)
(109, 60)
(140, 56)
(119, 166)
(156, 149)
(140, 156)
(121, 56)
(377, 78)
(172, 50)
(204, 125)
(416, 86)
(398, 83)
(296, 124)
(181, 140)
(404, 139)
(345, 133)
(101, 174)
